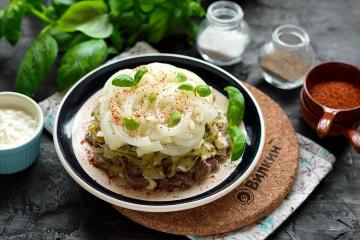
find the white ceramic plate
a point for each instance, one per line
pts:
(74, 153)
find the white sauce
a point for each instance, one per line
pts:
(16, 127)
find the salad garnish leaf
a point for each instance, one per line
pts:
(186, 87)
(139, 74)
(123, 80)
(203, 90)
(130, 123)
(174, 119)
(236, 106)
(152, 97)
(181, 77)
(238, 140)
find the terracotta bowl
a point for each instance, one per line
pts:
(331, 121)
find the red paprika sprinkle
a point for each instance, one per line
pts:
(336, 94)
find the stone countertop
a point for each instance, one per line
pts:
(43, 202)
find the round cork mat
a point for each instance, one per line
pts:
(256, 197)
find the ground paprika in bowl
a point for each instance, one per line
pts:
(331, 95)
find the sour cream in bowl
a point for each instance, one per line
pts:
(21, 124)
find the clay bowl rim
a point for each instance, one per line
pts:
(307, 92)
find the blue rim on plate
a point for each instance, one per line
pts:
(95, 80)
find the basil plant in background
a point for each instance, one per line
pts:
(83, 33)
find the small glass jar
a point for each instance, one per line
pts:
(287, 58)
(223, 35)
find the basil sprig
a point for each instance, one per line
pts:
(202, 90)
(235, 114)
(238, 140)
(125, 80)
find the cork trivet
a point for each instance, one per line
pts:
(285, 65)
(258, 196)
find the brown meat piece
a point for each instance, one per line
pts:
(180, 180)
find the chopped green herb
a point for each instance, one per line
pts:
(123, 80)
(203, 90)
(139, 74)
(152, 97)
(236, 106)
(186, 87)
(238, 140)
(181, 77)
(131, 123)
(174, 119)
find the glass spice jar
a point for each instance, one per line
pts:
(223, 35)
(287, 58)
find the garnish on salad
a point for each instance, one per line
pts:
(157, 126)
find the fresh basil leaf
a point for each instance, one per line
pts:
(196, 10)
(181, 77)
(146, 5)
(130, 123)
(11, 22)
(139, 74)
(35, 2)
(236, 106)
(35, 65)
(238, 140)
(157, 25)
(112, 51)
(120, 6)
(67, 40)
(152, 97)
(61, 5)
(1, 17)
(203, 90)
(186, 87)
(116, 39)
(174, 119)
(79, 60)
(99, 27)
(123, 80)
(130, 21)
(88, 17)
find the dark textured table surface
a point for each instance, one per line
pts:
(43, 202)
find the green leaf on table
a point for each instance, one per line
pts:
(112, 51)
(88, 17)
(35, 65)
(11, 22)
(35, 2)
(238, 140)
(146, 5)
(1, 17)
(196, 10)
(61, 5)
(116, 39)
(123, 80)
(67, 40)
(120, 6)
(157, 24)
(236, 106)
(79, 60)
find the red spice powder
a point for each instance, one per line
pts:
(337, 94)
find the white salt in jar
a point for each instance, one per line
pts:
(223, 35)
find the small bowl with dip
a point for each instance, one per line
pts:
(21, 124)
(330, 101)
